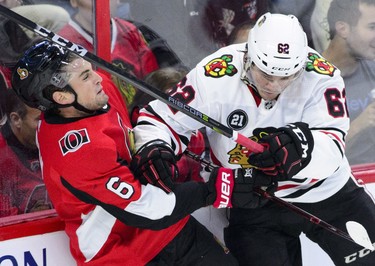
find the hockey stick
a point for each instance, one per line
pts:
(356, 232)
(143, 86)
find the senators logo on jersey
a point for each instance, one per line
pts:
(73, 140)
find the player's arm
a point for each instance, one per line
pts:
(314, 149)
(328, 121)
(146, 206)
(158, 120)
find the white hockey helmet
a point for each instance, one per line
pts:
(277, 44)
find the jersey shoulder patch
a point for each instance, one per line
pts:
(319, 64)
(220, 66)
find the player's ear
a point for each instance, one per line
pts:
(15, 119)
(63, 97)
(342, 29)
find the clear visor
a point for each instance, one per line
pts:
(67, 71)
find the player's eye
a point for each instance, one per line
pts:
(85, 76)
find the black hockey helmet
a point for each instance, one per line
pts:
(36, 70)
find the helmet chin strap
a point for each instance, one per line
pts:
(81, 108)
(75, 104)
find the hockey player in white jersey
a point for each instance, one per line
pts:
(283, 94)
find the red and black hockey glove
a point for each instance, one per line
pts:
(155, 164)
(288, 149)
(235, 188)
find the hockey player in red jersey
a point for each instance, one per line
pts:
(85, 141)
(278, 91)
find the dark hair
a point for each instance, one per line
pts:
(12, 103)
(246, 25)
(346, 11)
(165, 78)
(162, 79)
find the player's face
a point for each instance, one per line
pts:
(87, 84)
(28, 127)
(269, 87)
(361, 39)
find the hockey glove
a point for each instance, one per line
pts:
(230, 188)
(155, 163)
(288, 150)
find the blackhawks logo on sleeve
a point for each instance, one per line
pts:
(319, 65)
(220, 67)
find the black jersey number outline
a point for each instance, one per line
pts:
(186, 94)
(336, 102)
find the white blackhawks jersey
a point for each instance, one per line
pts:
(215, 88)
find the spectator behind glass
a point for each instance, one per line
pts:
(240, 33)
(22, 189)
(50, 16)
(129, 50)
(352, 50)
(220, 17)
(164, 54)
(13, 40)
(163, 79)
(319, 25)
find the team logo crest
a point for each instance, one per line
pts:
(239, 154)
(23, 73)
(127, 90)
(73, 140)
(219, 67)
(319, 65)
(237, 119)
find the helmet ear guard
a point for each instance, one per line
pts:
(277, 45)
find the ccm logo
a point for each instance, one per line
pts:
(360, 254)
(302, 138)
(225, 190)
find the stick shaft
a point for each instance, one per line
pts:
(312, 218)
(143, 86)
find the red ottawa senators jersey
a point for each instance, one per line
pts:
(105, 209)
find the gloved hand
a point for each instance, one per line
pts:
(234, 188)
(288, 150)
(155, 164)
